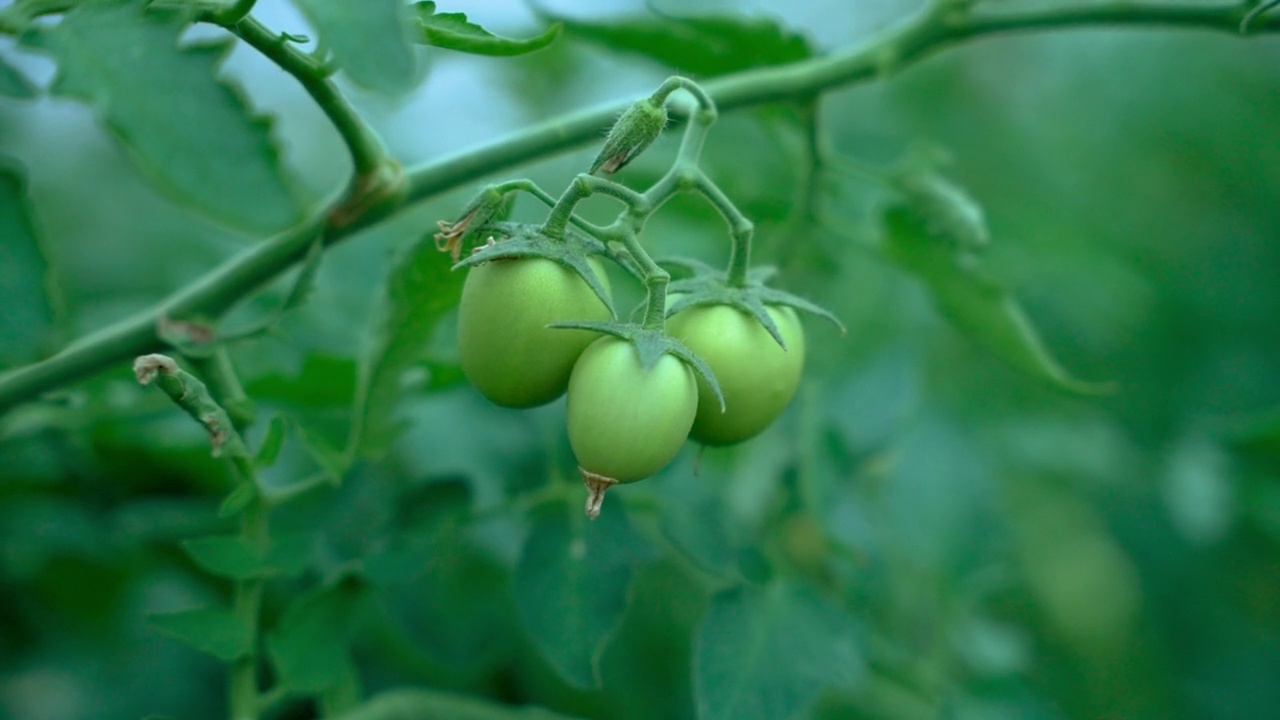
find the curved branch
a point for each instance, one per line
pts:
(927, 33)
(367, 152)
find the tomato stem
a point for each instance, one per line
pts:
(675, 82)
(583, 187)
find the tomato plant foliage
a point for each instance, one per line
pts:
(262, 262)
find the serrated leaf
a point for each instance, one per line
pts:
(28, 318)
(216, 631)
(165, 105)
(369, 40)
(454, 32)
(420, 288)
(14, 84)
(421, 704)
(704, 46)
(571, 586)
(269, 449)
(233, 557)
(310, 648)
(979, 306)
(767, 654)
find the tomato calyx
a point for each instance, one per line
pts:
(509, 241)
(650, 346)
(711, 286)
(596, 486)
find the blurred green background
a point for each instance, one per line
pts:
(948, 537)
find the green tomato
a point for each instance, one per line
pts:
(624, 423)
(756, 376)
(504, 345)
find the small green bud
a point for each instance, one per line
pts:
(486, 206)
(636, 130)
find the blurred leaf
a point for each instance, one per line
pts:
(269, 449)
(695, 519)
(28, 319)
(13, 83)
(323, 381)
(947, 209)
(1199, 490)
(166, 106)
(309, 648)
(420, 704)
(767, 654)
(703, 46)
(420, 288)
(238, 499)
(232, 556)
(1258, 440)
(454, 32)
(976, 304)
(571, 586)
(216, 631)
(369, 40)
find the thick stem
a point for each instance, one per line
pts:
(927, 34)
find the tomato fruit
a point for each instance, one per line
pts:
(624, 423)
(756, 376)
(504, 345)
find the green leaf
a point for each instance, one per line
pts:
(369, 40)
(947, 209)
(422, 704)
(216, 631)
(768, 654)
(454, 32)
(165, 105)
(571, 586)
(231, 556)
(14, 84)
(310, 647)
(703, 46)
(269, 450)
(977, 305)
(420, 288)
(29, 318)
(1257, 439)
(238, 499)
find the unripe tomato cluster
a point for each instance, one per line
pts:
(625, 423)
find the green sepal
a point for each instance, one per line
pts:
(650, 346)
(526, 241)
(488, 206)
(710, 286)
